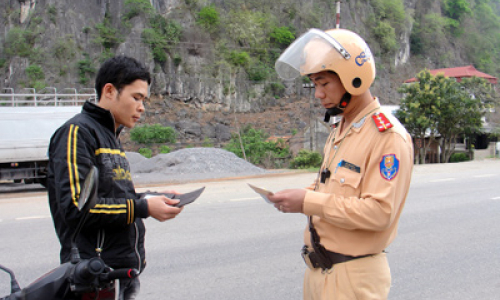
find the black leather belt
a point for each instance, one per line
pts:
(315, 260)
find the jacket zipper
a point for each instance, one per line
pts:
(117, 134)
(137, 246)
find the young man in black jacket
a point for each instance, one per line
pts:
(114, 230)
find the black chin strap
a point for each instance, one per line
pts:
(339, 108)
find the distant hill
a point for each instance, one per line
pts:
(218, 55)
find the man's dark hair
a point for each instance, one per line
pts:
(120, 71)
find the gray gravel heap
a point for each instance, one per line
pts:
(191, 164)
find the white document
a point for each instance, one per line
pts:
(261, 191)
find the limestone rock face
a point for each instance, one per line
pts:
(67, 42)
(27, 6)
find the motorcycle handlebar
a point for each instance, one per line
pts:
(120, 274)
(86, 270)
(84, 277)
(93, 274)
(96, 268)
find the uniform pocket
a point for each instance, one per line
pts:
(346, 182)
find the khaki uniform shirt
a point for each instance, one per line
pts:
(356, 211)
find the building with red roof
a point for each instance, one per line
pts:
(459, 73)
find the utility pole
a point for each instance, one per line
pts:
(312, 127)
(338, 15)
(234, 112)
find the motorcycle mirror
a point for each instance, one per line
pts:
(87, 197)
(86, 201)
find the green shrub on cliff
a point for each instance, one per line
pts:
(147, 134)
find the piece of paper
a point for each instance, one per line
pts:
(189, 197)
(261, 191)
(184, 199)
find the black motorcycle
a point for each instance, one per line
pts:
(79, 279)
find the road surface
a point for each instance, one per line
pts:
(231, 244)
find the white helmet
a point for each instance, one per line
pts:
(338, 50)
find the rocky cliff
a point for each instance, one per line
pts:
(222, 68)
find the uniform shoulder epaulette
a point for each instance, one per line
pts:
(381, 121)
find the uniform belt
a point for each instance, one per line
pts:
(315, 260)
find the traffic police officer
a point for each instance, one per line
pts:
(355, 204)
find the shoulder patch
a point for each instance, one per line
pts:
(381, 121)
(389, 166)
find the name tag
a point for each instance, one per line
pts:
(348, 165)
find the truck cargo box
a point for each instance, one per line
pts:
(24, 138)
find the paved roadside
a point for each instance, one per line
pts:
(491, 164)
(487, 163)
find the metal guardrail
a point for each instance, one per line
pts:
(77, 98)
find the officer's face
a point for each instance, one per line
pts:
(328, 88)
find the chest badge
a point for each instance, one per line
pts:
(389, 166)
(381, 121)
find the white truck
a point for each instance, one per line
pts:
(25, 132)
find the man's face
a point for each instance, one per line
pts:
(328, 88)
(129, 103)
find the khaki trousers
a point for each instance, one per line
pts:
(367, 278)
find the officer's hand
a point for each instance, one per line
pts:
(161, 208)
(289, 201)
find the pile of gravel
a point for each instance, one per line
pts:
(191, 164)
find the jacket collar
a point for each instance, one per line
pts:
(360, 120)
(101, 115)
(365, 114)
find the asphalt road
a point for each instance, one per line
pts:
(230, 244)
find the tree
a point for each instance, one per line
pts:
(250, 28)
(36, 77)
(108, 36)
(439, 105)
(460, 115)
(456, 9)
(161, 37)
(481, 89)
(418, 110)
(255, 145)
(19, 42)
(155, 133)
(209, 18)
(429, 34)
(387, 22)
(282, 36)
(135, 8)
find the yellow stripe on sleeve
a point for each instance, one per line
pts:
(110, 206)
(109, 151)
(70, 166)
(108, 211)
(77, 176)
(130, 211)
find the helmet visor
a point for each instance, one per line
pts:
(308, 54)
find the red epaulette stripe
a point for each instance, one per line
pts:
(381, 122)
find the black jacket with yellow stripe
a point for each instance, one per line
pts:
(115, 224)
